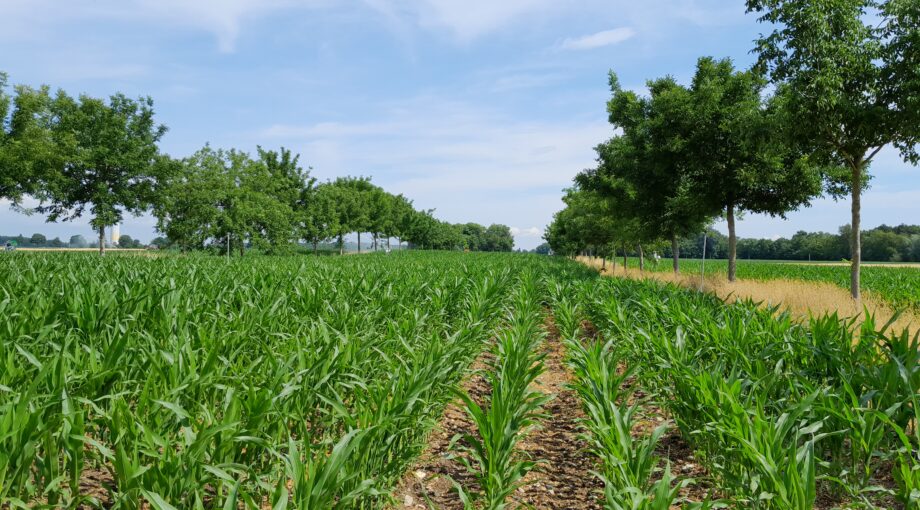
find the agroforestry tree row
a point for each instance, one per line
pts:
(843, 78)
(88, 156)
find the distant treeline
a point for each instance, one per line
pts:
(85, 156)
(881, 244)
(77, 241)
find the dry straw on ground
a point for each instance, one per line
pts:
(802, 299)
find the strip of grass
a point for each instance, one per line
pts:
(899, 286)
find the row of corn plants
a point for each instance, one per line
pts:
(777, 411)
(511, 409)
(196, 382)
(629, 466)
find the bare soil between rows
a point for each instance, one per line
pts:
(562, 480)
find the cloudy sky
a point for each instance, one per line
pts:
(480, 109)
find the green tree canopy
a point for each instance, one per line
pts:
(474, 235)
(226, 198)
(29, 150)
(646, 170)
(740, 159)
(851, 70)
(105, 159)
(498, 238)
(78, 241)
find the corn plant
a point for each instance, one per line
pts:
(511, 409)
(774, 408)
(627, 463)
(187, 378)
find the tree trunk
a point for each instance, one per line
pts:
(375, 242)
(675, 253)
(101, 240)
(316, 247)
(341, 244)
(732, 241)
(388, 242)
(613, 261)
(625, 265)
(359, 242)
(603, 264)
(855, 237)
(641, 259)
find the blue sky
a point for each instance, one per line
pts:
(480, 109)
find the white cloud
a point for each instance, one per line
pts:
(526, 232)
(471, 19)
(222, 18)
(465, 20)
(600, 39)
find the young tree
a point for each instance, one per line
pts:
(429, 233)
(107, 154)
(38, 240)
(197, 201)
(226, 198)
(587, 223)
(380, 213)
(614, 191)
(353, 206)
(403, 216)
(78, 241)
(852, 74)
(474, 235)
(559, 234)
(289, 184)
(498, 238)
(739, 159)
(650, 160)
(319, 217)
(126, 241)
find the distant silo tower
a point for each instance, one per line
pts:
(116, 234)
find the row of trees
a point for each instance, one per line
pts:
(835, 83)
(229, 199)
(88, 156)
(39, 240)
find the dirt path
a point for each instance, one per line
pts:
(563, 481)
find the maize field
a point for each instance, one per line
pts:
(780, 415)
(196, 382)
